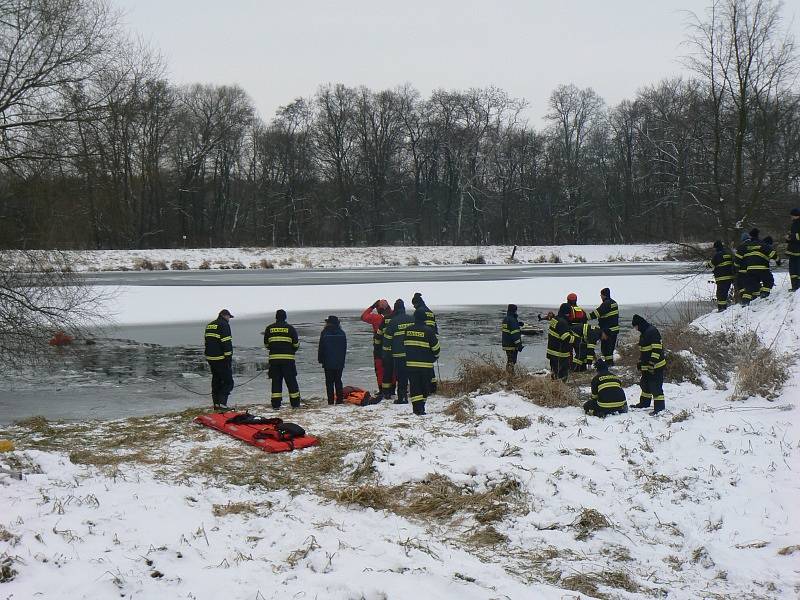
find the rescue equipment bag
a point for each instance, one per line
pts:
(358, 396)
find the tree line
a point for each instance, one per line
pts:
(98, 149)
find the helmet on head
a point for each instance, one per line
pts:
(572, 297)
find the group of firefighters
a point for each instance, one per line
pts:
(406, 344)
(747, 270)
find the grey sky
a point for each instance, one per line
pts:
(279, 50)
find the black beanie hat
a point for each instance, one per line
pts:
(637, 320)
(563, 310)
(754, 233)
(795, 212)
(512, 308)
(718, 245)
(601, 365)
(399, 305)
(280, 315)
(416, 299)
(605, 292)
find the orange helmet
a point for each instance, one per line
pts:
(383, 305)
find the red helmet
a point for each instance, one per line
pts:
(573, 297)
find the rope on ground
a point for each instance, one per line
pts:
(195, 392)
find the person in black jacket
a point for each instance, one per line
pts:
(331, 355)
(724, 273)
(219, 354)
(607, 315)
(651, 365)
(751, 262)
(608, 397)
(422, 350)
(282, 342)
(560, 340)
(511, 337)
(767, 279)
(793, 249)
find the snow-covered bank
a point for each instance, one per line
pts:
(697, 503)
(344, 258)
(163, 304)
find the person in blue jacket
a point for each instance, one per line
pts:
(331, 355)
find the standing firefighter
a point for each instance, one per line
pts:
(607, 315)
(577, 316)
(395, 336)
(559, 343)
(219, 354)
(724, 273)
(374, 316)
(766, 278)
(422, 350)
(430, 320)
(608, 397)
(512, 337)
(793, 250)
(586, 340)
(751, 261)
(651, 365)
(281, 340)
(388, 377)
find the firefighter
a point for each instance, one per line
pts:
(651, 365)
(281, 340)
(559, 343)
(422, 350)
(722, 263)
(793, 249)
(608, 397)
(219, 354)
(766, 278)
(430, 320)
(373, 315)
(738, 267)
(577, 315)
(395, 336)
(586, 341)
(607, 315)
(511, 337)
(388, 380)
(751, 261)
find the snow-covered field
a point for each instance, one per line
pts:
(700, 502)
(345, 258)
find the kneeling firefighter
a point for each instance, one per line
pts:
(608, 397)
(395, 337)
(422, 350)
(651, 365)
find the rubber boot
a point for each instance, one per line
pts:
(276, 404)
(641, 404)
(418, 407)
(295, 402)
(657, 408)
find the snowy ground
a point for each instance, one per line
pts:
(698, 503)
(339, 258)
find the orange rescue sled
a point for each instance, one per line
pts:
(265, 435)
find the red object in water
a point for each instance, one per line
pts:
(263, 436)
(61, 339)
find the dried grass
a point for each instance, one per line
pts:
(789, 550)
(543, 391)
(462, 410)
(239, 508)
(760, 371)
(179, 265)
(487, 536)
(589, 521)
(379, 497)
(680, 417)
(7, 570)
(517, 423)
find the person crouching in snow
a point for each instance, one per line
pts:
(331, 355)
(651, 365)
(608, 397)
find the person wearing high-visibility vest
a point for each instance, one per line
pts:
(219, 354)
(282, 342)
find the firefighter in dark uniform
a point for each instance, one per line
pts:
(511, 337)
(577, 316)
(587, 338)
(724, 273)
(651, 365)
(559, 343)
(389, 380)
(608, 397)
(395, 336)
(750, 262)
(281, 340)
(422, 350)
(793, 249)
(430, 320)
(607, 315)
(219, 354)
(767, 279)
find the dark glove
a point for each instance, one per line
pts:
(520, 348)
(520, 323)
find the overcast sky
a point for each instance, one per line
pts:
(280, 50)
